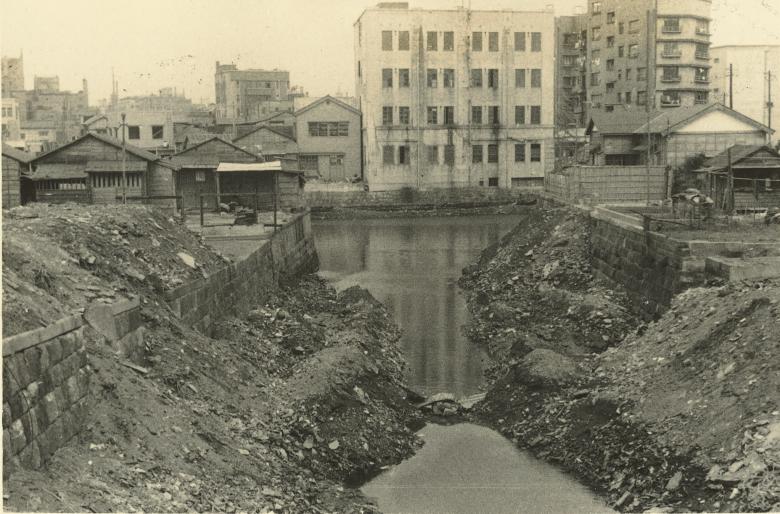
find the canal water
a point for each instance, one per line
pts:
(412, 265)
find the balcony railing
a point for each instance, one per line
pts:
(670, 80)
(670, 102)
(703, 56)
(702, 80)
(672, 55)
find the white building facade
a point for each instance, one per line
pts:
(455, 98)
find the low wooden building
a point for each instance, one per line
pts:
(198, 166)
(89, 170)
(754, 171)
(274, 184)
(270, 141)
(621, 137)
(17, 188)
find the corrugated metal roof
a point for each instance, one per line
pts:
(256, 167)
(58, 171)
(115, 166)
(738, 153)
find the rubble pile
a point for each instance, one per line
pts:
(680, 414)
(277, 411)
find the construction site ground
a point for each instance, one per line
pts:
(276, 411)
(679, 414)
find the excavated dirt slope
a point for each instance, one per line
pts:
(676, 415)
(277, 411)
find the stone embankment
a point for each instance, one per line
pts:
(274, 404)
(676, 414)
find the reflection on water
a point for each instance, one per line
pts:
(412, 265)
(468, 468)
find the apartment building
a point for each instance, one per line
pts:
(454, 98)
(640, 51)
(249, 95)
(754, 68)
(12, 74)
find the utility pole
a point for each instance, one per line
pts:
(731, 86)
(769, 103)
(647, 103)
(124, 162)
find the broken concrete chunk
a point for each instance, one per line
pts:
(187, 259)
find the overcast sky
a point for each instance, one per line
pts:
(157, 43)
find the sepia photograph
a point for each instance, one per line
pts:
(365, 256)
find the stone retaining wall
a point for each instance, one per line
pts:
(406, 198)
(231, 290)
(45, 392)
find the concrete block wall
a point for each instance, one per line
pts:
(120, 323)
(407, 198)
(232, 289)
(45, 392)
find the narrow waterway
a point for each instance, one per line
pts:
(412, 265)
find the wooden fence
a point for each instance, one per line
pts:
(608, 184)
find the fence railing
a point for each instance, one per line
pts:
(608, 184)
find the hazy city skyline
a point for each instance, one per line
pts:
(152, 45)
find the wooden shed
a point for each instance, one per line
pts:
(275, 184)
(17, 188)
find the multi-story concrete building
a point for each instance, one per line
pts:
(748, 89)
(454, 98)
(622, 39)
(10, 120)
(12, 75)
(248, 95)
(149, 130)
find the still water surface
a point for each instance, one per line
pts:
(412, 265)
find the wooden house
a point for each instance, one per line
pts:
(17, 188)
(754, 171)
(270, 141)
(89, 170)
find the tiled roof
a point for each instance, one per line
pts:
(133, 150)
(58, 171)
(738, 154)
(17, 155)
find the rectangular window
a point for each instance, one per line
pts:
(200, 175)
(432, 77)
(387, 40)
(404, 155)
(520, 152)
(493, 115)
(403, 77)
(433, 154)
(621, 27)
(633, 51)
(449, 115)
(493, 181)
(671, 74)
(628, 97)
(610, 64)
(596, 33)
(536, 115)
(449, 154)
(628, 73)
(476, 78)
(337, 160)
(596, 7)
(519, 41)
(387, 77)
(448, 77)
(610, 41)
(493, 78)
(702, 51)
(476, 41)
(476, 115)
(476, 154)
(702, 28)
(672, 50)
(157, 131)
(519, 114)
(493, 41)
(492, 153)
(671, 25)
(702, 97)
(536, 41)
(536, 78)
(388, 154)
(449, 41)
(519, 78)
(432, 115)
(702, 75)
(633, 26)
(595, 57)
(610, 87)
(620, 98)
(670, 98)
(387, 115)
(641, 74)
(595, 79)
(403, 40)
(611, 17)
(621, 51)
(536, 152)
(403, 115)
(432, 41)
(133, 132)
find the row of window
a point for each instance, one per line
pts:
(448, 41)
(328, 128)
(134, 132)
(107, 180)
(476, 77)
(534, 113)
(312, 162)
(447, 155)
